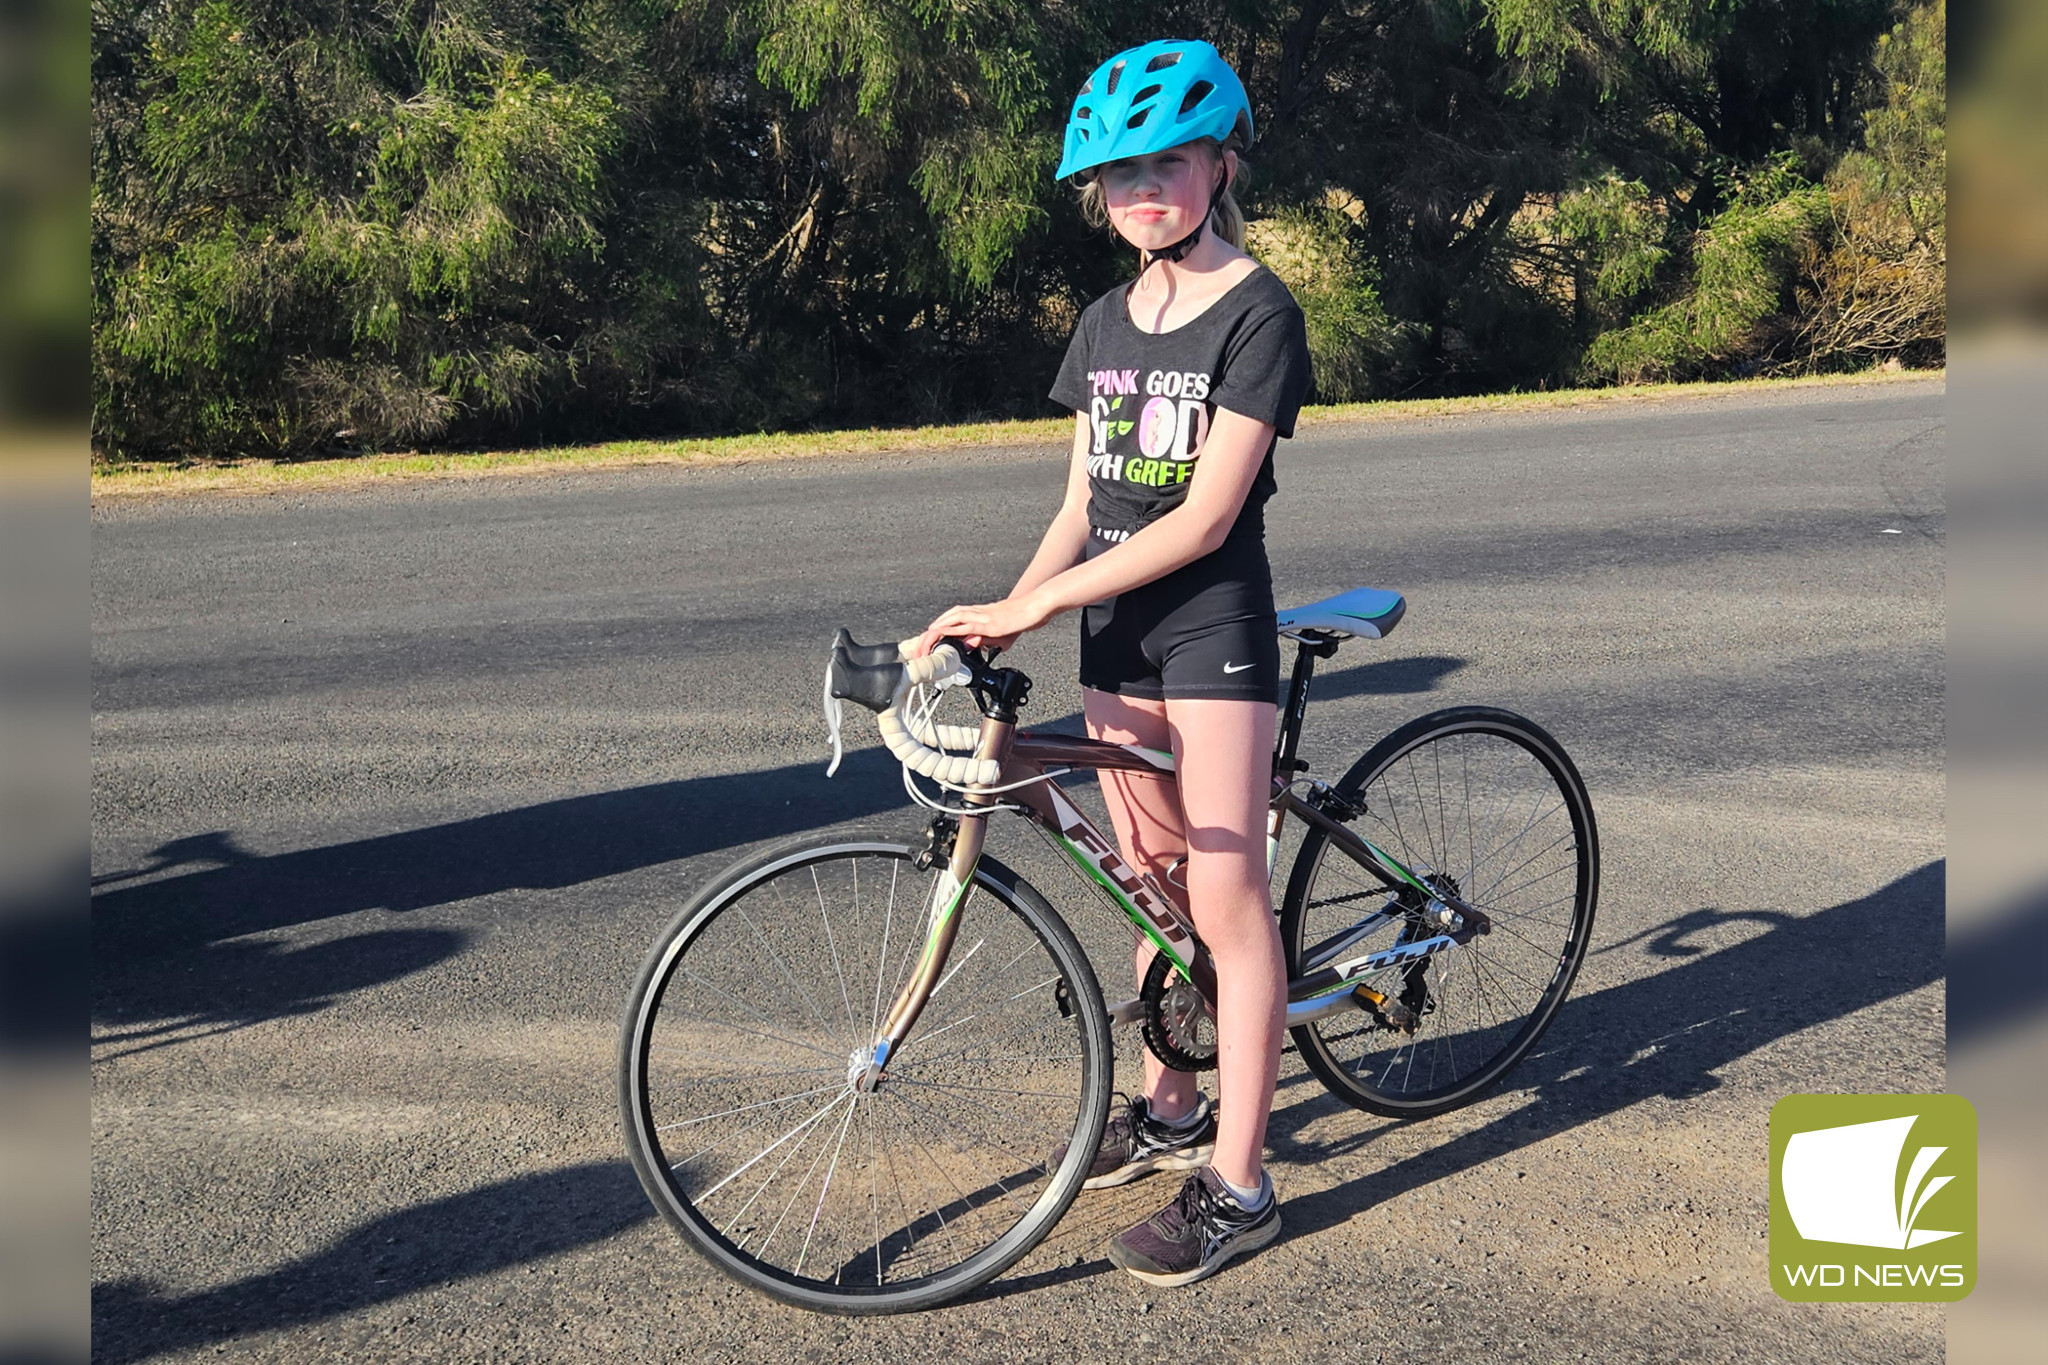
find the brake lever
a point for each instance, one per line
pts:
(834, 716)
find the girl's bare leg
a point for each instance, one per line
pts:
(1224, 751)
(1146, 812)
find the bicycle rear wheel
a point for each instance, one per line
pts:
(1485, 805)
(747, 1131)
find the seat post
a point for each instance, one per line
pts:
(1289, 738)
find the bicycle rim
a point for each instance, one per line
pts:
(746, 1127)
(1485, 805)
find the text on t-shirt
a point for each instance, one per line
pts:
(1172, 422)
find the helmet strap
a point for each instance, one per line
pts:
(1188, 243)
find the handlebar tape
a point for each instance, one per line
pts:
(942, 736)
(914, 751)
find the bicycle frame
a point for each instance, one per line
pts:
(1327, 986)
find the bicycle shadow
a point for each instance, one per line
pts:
(1660, 1036)
(1386, 678)
(480, 1232)
(166, 955)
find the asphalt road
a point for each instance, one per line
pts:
(393, 786)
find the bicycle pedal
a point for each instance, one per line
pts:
(1391, 1013)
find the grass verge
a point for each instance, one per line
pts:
(269, 476)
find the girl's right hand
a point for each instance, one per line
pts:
(968, 623)
(929, 641)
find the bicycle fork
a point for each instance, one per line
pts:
(955, 849)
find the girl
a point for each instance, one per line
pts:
(1180, 382)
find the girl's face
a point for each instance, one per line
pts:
(1156, 199)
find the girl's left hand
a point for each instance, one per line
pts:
(992, 623)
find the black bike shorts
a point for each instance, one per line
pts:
(1206, 630)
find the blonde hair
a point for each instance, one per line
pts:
(1226, 221)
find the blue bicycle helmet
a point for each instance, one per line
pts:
(1146, 99)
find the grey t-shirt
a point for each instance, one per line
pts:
(1149, 397)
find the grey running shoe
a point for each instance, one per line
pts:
(1194, 1235)
(1134, 1144)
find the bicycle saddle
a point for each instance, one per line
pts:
(1370, 612)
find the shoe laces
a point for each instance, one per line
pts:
(1127, 1116)
(1195, 1205)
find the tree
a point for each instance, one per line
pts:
(353, 224)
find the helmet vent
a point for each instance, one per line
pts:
(1114, 72)
(1197, 92)
(1082, 111)
(1138, 119)
(1162, 61)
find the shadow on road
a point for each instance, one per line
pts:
(512, 1223)
(1660, 1035)
(1663, 1035)
(1387, 678)
(163, 957)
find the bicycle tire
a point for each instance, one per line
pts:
(1496, 994)
(718, 992)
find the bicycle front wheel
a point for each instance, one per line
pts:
(751, 1015)
(1480, 804)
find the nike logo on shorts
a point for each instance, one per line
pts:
(1238, 668)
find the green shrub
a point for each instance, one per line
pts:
(1879, 290)
(1349, 333)
(1745, 271)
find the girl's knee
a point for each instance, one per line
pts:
(1232, 878)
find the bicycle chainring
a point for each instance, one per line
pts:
(1178, 1027)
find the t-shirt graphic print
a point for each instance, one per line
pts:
(1149, 398)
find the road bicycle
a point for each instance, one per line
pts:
(866, 1075)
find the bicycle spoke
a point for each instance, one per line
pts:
(794, 1195)
(783, 967)
(1561, 869)
(1000, 1187)
(751, 1032)
(838, 972)
(745, 1108)
(954, 970)
(695, 980)
(882, 957)
(1522, 834)
(825, 1186)
(817, 1114)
